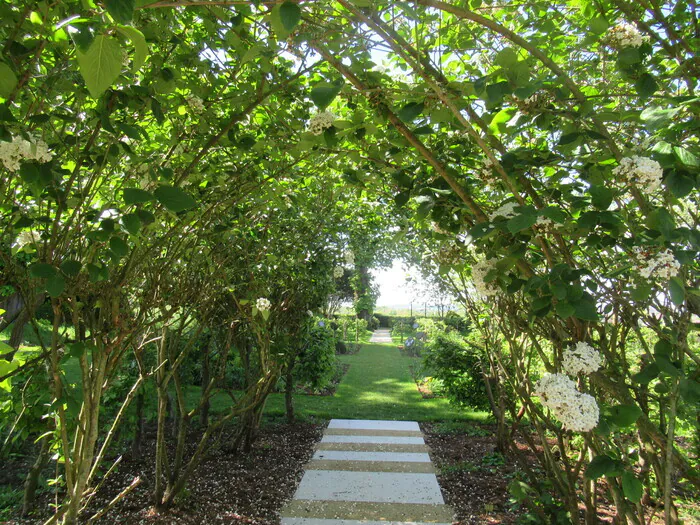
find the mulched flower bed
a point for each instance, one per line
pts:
(227, 488)
(472, 474)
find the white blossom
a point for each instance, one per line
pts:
(320, 122)
(486, 172)
(26, 238)
(625, 35)
(196, 104)
(338, 272)
(263, 304)
(577, 411)
(643, 171)
(506, 211)
(19, 149)
(479, 272)
(582, 358)
(662, 265)
(349, 258)
(544, 223)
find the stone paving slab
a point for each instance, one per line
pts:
(370, 466)
(349, 455)
(381, 335)
(354, 510)
(369, 472)
(381, 440)
(367, 432)
(372, 447)
(375, 424)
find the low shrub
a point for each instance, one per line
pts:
(457, 365)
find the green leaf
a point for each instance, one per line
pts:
(118, 246)
(136, 196)
(601, 197)
(132, 223)
(625, 415)
(121, 10)
(138, 40)
(677, 290)
(632, 487)
(7, 367)
(71, 267)
(585, 309)
(600, 466)
(655, 117)
(410, 111)
(55, 285)
(667, 366)
(101, 64)
(521, 222)
(290, 15)
(689, 391)
(8, 80)
(564, 309)
(42, 270)
(506, 57)
(323, 94)
(646, 85)
(680, 184)
(647, 374)
(686, 157)
(174, 199)
(662, 221)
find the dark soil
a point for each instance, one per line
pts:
(226, 488)
(473, 476)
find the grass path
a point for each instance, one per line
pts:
(377, 386)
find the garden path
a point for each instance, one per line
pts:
(371, 472)
(381, 335)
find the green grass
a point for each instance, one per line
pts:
(378, 385)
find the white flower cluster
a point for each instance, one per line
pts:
(577, 411)
(643, 171)
(26, 238)
(507, 211)
(662, 266)
(625, 35)
(263, 304)
(544, 222)
(338, 272)
(582, 358)
(486, 172)
(196, 104)
(349, 257)
(13, 153)
(479, 272)
(535, 103)
(320, 122)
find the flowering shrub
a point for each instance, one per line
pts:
(338, 272)
(642, 171)
(263, 304)
(580, 359)
(18, 150)
(625, 35)
(480, 271)
(577, 411)
(321, 122)
(662, 266)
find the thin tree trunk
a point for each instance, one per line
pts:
(32, 481)
(140, 423)
(288, 391)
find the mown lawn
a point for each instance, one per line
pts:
(378, 385)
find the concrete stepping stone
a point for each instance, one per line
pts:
(369, 472)
(381, 335)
